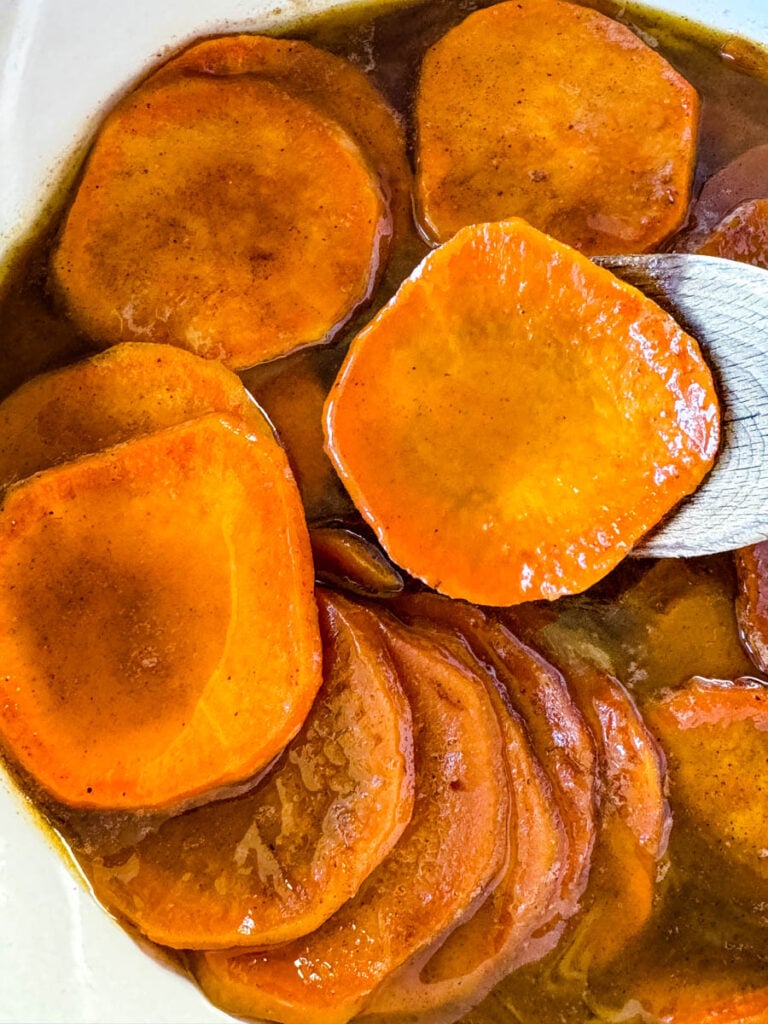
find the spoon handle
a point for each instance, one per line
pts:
(724, 305)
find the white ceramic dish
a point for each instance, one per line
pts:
(61, 957)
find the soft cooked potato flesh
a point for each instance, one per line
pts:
(564, 748)
(742, 235)
(555, 113)
(274, 863)
(335, 86)
(632, 826)
(540, 415)
(158, 629)
(752, 602)
(129, 390)
(516, 922)
(222, 215)
(452, 850)
(348, 560)
(293, 396)
(715, 736)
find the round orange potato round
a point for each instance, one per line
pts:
(158, 628)
(517, 418)
(553, 112)
(128, 391)
(223, 215)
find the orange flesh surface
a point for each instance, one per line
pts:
(742, 235)
(532, 109)
(335, 86)
(293, 400)
(346, 559)
(222, 215)
(452, 850)
(515, 922)
(715, 736)
(633, 814)
(125, 392)
(276, 862)
(538, 413)
(158, 630)
(558, 733)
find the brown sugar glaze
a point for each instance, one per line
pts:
(654, 624)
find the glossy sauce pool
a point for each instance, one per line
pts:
(656, 623)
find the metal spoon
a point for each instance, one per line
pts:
(724, 305)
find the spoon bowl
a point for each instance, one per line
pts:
(724, 305)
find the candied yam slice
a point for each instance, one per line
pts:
(682, 997)
(222, 215)
(450, 853)
(346, 559)
(129, 390)
(555, 113)
(633, 817)
(741, 180)
(330, 83)
(514, 923)
(752, 602)
(292, 395)
(742, 235)
(539, 413)
(715, 737)
(559, 735)
(158, 629)
(274, 863)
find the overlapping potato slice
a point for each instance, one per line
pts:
(274, 863)
(741, 181)
(559, 735)
(452, 850)
(348, 560)
(292, 395)
(125, 392)
(534, 109)
(634, 818)
(677, 1001)
(752, 602)
(158, 629)
(539, 413)
(515, 923)
(715, 736)
(742, 235)
(330, 83)
(222, 215)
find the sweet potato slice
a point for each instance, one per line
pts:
(129, 390)
(742, 235)
(682, 997)
(752, 602)
(634, 817)
(345, 559)
(531, 109)
(559, 735)
(741, 180)
(715, 736)
(292, 396)
(540, 414)
(276, 862)
(222, 215)
(514, 924)
(452, 850)
(158, 629)
(330, 83)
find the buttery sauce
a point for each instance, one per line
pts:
(655, 623)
